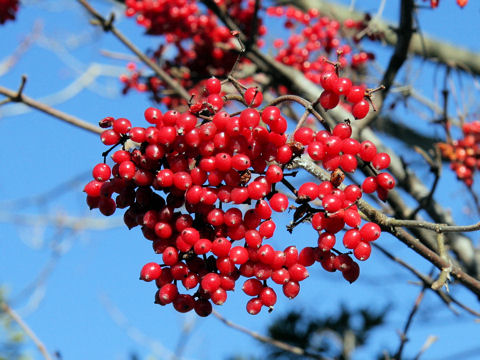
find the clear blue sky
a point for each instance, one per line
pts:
(97, 272)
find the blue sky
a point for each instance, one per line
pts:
(96, 275)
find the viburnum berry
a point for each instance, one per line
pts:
(279, 202)
(254, 306)
(362, 251)
(291, 289)
(253, 97)
(150, 271)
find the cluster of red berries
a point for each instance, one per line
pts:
(203, 185)
(202, 46)
(464, 154)
(313, 38)
(434, 3)
(8, 9)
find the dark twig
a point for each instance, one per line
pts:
(403, 335)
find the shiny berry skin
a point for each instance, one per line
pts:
(122, 125)
(381, 161)
(331, 203)
(356, 94)
(221, 246)
(150, 271)
(352, 273)
(326, 241)
(308, 191)
(252, 287)
(370, 232)
(291, 289)
(110, 137)
(253, 97)
(369, 185)
(304, 135)
(249, 118)
(328, 99)
(352, 238)
(343, 86)
(279, 202)
(362, 251)
(137, 134)
(101, 172)
(239, 255)
(360, 109)
(386, 181)
(210, 282)
(168, 293)
(367, 150)
(268, 297)
(254, 306)
(348, 163)
(213, 85)
(342, 130)
(153, 115)
(298, 272)
(274, 174)
(316, 150)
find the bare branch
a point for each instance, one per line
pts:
(107, 25)
(30, 333)
(268, 340)
(18, 96)
(420, 45)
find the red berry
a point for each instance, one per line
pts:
(150, 271)
(362, 251)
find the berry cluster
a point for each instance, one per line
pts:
(203, 186)
(202, 46)
(464, 154)
(8, 9)
(313, 38)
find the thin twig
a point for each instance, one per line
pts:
(428, 281)
(18, 96)
(268, 340)
(108, 26)
(408, 323)
(393, 226)
(30, 333)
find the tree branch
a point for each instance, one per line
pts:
(423, 46)
(108, 26)
(18, 96)
(38, 343)
(268, 340)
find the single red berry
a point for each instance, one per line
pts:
(254, 306)
(279, 202)
(253, 97)
(110, 137)
(252, 287)
(213, 85)
(268, 297)
(362, 251)
(150, 271)
(386, 181)
(238, 254)
(291, 289)
(360, 109)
